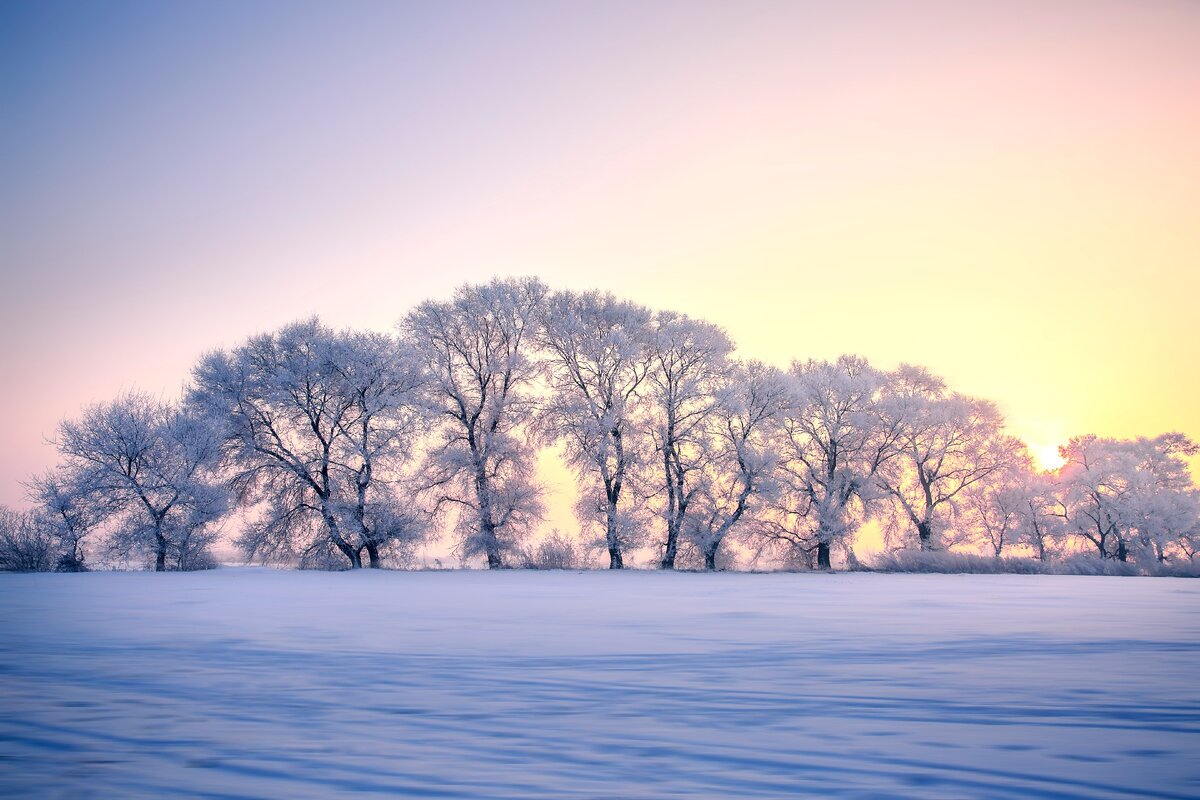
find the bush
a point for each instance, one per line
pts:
(942, 561)
(25, 546)
(554, 552)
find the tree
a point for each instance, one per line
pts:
(1038, 526)
(1164, 501)
(996, 512)
(1128, 497)
(69, 514)
(25, 546)
(688, 361)
(836, 439)
(599, 359)
(145, 469)
(477, 351)
(317, 426)
(946, 443)
(741, 444)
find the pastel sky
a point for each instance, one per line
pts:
(1007, 192)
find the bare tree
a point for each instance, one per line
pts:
(477, 351)
(317, 426)
(599, 359)
(689, 360)
(946, 443)
(146, 468)
(742, 446)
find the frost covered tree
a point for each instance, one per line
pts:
(1000, 512)
(317, 427)
(836, 438)
(1038, 525)
(689, 360)
(599, 357)
(1128, 497)
(1164, 501)
(25, 546)
(741, 444)
(946, 442)
(69, 513)
(478, 353)
(145, 468)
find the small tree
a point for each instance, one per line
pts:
(25, 546)
(995, 512)
(69, 514)
(144, 467)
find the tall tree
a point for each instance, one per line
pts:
(599, 357)
(478, 352)
(946, 442)
(741, 444)
(836, 439)
(316, 425)
(688, 362)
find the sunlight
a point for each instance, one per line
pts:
(1046, 456)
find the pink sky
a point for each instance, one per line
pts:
(1007, 192)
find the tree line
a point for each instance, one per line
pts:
(348, 449)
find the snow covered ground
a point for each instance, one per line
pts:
(257, 683)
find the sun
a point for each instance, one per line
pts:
(1046, 456)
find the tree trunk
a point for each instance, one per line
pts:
(490, 546)
(668, 559)
(823, 555)
(373, 555)
(352, 555)
(615, 561)
(710, 557)
(1122, 550)
(160, 554)
(925, 534)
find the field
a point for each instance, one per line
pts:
(260, 683)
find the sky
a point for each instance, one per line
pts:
(1006, 192)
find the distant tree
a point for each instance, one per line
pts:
(1038, 525)
(946, 443)
(996, 512)
(599, 357)
(317, 428)
(25, 546)
(836, 438)
(1128, 497)
(478, 352)
(742, 443)
(144, 468)
(71, 515)
(689, 360)
(1164, 501)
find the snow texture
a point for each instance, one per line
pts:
(256, 683)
